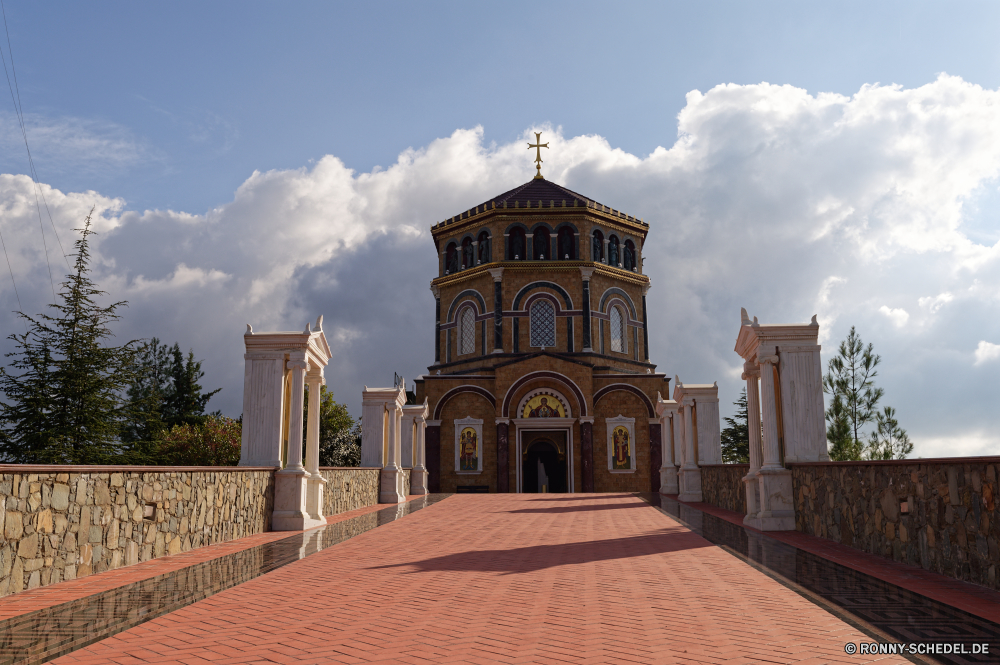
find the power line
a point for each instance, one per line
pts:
(31, 166)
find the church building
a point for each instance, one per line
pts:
(541, 379)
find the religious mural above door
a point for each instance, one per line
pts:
(543, 406)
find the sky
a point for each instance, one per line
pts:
(264, 164)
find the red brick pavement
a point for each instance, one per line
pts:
(502, 578)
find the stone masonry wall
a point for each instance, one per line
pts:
(348, 488)
(942, 515)
(64, 522)
(722, 486)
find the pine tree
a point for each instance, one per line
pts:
(63, 388)
(736, 437)
(183, 401)
(147, 392)
(889, 440)
(850, 378)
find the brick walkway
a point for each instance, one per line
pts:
(502, 579)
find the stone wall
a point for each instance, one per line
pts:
(722, 486)
(348, 488)
(941, 515)
(64, 522)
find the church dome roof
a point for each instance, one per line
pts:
(540, 193)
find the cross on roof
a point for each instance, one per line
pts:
(538, 145)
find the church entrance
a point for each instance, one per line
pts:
(544, 467)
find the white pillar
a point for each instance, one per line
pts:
(750, 375)
(391, 477)
(667, 410)
(690, 473)
(317, 483)
(775, 481)
(418, 476)
(298, 369)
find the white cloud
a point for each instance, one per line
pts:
(987, 351)
(770, 198)
(934, 303)
(898, 316)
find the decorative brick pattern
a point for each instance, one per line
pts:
(722, 486)
(63, 525)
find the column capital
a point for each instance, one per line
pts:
(587, 419)
(586, 273)
(503, 421)
(750, 370)
(768, 360)
(433, 423)
(297, 364)
(496, 272)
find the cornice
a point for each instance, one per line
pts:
(540, 266)
(458, 224)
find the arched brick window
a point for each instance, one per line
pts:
(565, 242)
(540, 244)
(614, 257)
(516, 245)
(451, 258)
(597, 250)
(629, 255)
(543, 324)
(483, 245)
(468, 260)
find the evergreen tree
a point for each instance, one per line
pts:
(889, 440)
(64, 386)
(736, 437)
(850, 377)
(147, 392)
(183, 401)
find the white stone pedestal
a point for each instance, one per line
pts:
(291, 510)
(391, 486)
(418, 481)
(752, 518)
(315, 496)
(777, 513)
(668, 480)
(690, 485)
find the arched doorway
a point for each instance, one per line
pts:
(543, 466)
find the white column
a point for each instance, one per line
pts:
(312, 426)
(391, 476)
(668, 471)
(690, 473)
(750, 375)
(775, 481)
(298, 368)
(418, 476)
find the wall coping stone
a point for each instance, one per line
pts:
(115, 468)
(350, 468)
(726, 466)
(891, 462)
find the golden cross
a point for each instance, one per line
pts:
(538, 145)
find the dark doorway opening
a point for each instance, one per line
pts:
(544, 467)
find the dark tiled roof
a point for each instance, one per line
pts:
(540, 193)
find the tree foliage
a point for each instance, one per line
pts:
(736, 437)
(63, 387)
(339, 435)
(854, 404)
(213, 441)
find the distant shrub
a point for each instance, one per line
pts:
(215, 441)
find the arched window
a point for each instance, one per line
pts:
(598, 246)
(617, 330)
(451, 258)
(516, 245)
(613, 255)
(543, 324)
(540, 244)
(484, 248)
(629, 255)
(467, 334)
(468, 260)
(566, 248)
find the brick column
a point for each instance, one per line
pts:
(432, 452)
(437, 324)
(587, 452)
(645, 323)
(655, 454)
(503, 455)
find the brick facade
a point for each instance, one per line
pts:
(487, 382)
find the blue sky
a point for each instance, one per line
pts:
(162, 116)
